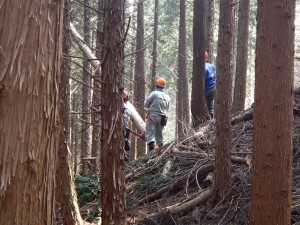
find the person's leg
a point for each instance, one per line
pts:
(127, 144)
(209, 96)
(159, 132)
(150, 133)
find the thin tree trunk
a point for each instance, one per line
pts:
(210, 18)
(139, 87)
(30, 71)
(224, 90)
(76, 134)
(64, 176)
(112, 139)
(86, 94)
(183, 108)
(198, 103)
(154, 51)
(273, 114)
(133, 150)
(239, 95)
(96, 106)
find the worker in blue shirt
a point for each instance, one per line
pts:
(210, 85)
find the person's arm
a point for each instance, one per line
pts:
(148, 100)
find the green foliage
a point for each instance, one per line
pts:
(137, 163)
(87, 188)
(93, 215)
(148, 184)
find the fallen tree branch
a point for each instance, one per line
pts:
(234, 159)
(164, 217)
(178, 184)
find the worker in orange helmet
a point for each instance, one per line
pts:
(157, 106)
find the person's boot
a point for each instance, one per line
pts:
(160, 147)
(151, 146)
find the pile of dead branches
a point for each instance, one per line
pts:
(175, 186)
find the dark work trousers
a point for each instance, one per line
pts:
(210, 96)
(127, 144)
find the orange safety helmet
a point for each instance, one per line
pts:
(125, 96)
(161, 82)
(206, 55)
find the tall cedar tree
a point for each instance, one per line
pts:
(139, 81)
(96, 115)
(223, 99)
(210, 18)
(112, 139)
(198, 104)
(183, 106)
(29, 73)
(239, 95)
(133, 150)
(154, 51)
(273, 113)
(86, 93)
(64, 177)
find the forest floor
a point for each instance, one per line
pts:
(172, 187)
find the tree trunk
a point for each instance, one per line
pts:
(64, 176)
(182, 107)
(239, 95)
(198, 104)
(96, 109)
(273, 114)
(224, 90)
(30, 69)
(112, 139)
(86, 94)
(154, 51)
(210, 18)
(133, 150)
(139, 87)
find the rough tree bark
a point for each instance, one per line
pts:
(210, 18)
(29, 72)
(112, 139)
(224, 90)
(273, 114)
(183, 106)
(139, 87)
(64, 176)
(239, 95)
(198, 104)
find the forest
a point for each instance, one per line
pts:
(149, 112)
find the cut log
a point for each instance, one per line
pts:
(136, 119)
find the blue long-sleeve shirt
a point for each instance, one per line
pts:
(210, 76)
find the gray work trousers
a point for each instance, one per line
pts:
(154, 130)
